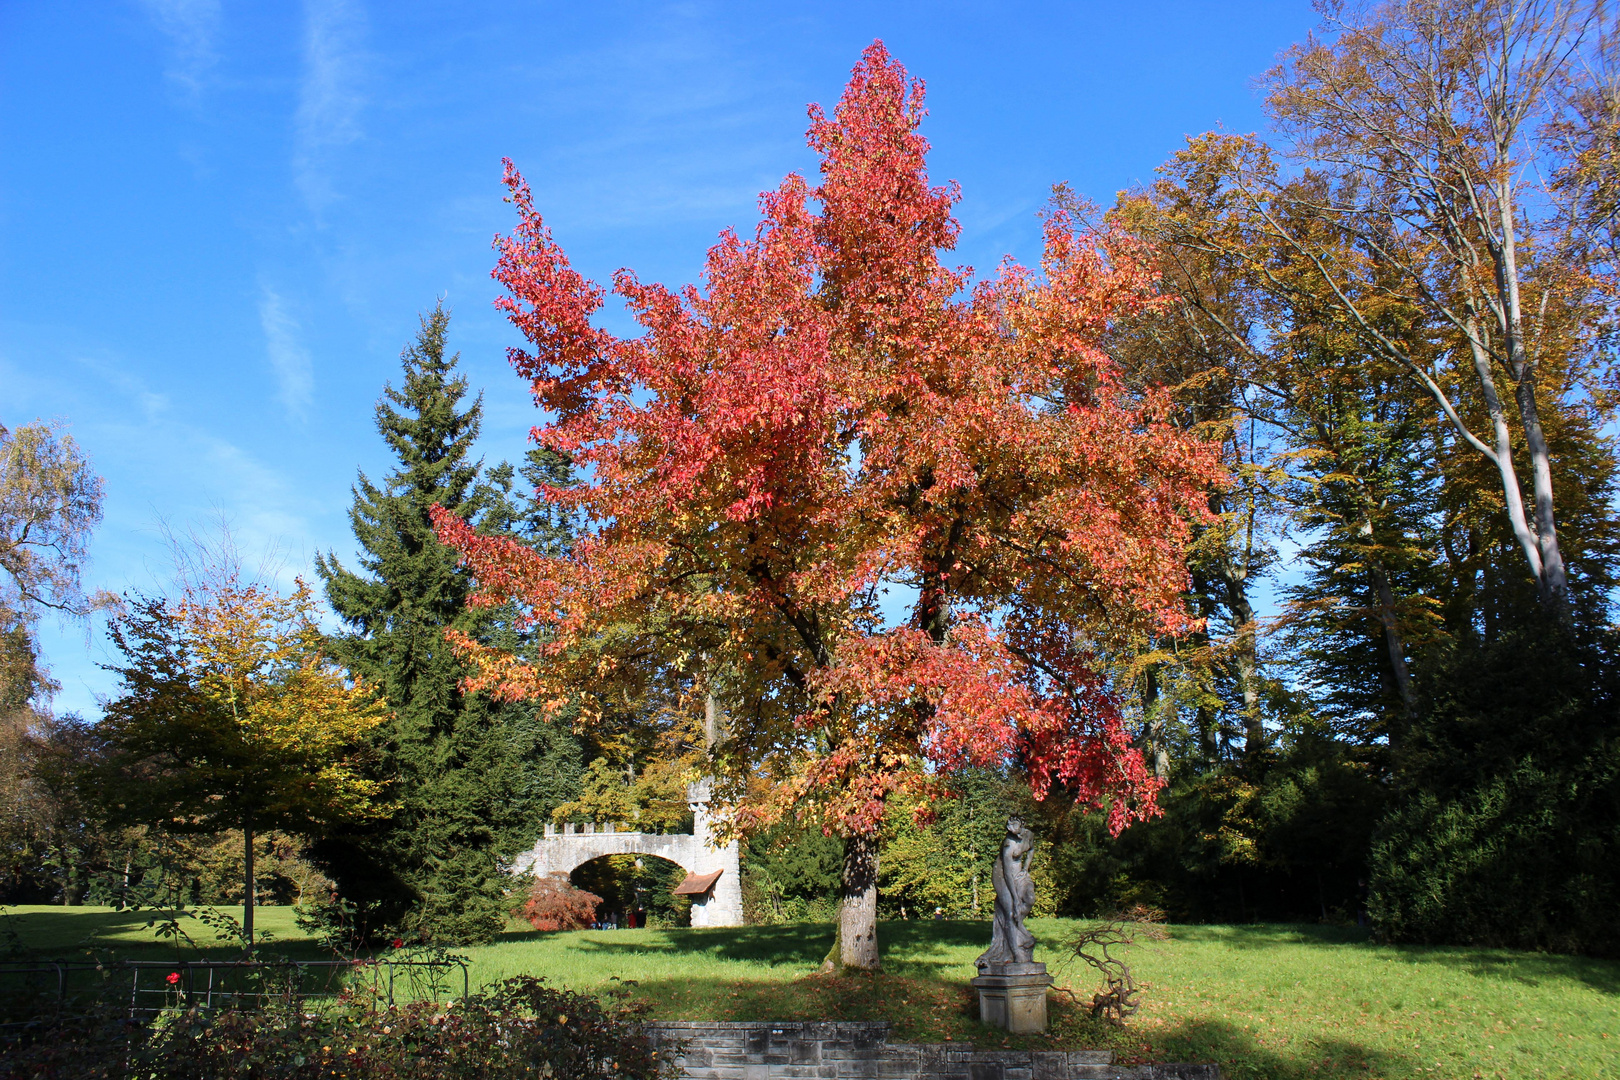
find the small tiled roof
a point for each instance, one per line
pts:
(697, 884)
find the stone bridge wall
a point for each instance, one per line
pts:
(562, 850)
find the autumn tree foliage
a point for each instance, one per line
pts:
(554, 903)
(834, 413)
(1422, 135)
(232, 716)
(50, 503)
(1402, 304)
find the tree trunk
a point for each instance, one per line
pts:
(1393, 642)
(247, 887)
(1233, 570)
(1247, 660)
(1209, 742)
(855, 945)
(1502, 448)
(714, 724)
(1555, 581)
(1153, 726)
(1552, 582)
(1397, 651)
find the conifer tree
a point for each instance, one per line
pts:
(461, 764)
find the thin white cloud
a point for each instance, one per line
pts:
(295, 375)
(330, 96)
(191, 27)
(165, 459)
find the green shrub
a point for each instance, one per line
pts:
(1522, 860)
(516, 1028)
(1281, 838)
(1505, 828)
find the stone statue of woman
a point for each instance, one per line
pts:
(1010, 941)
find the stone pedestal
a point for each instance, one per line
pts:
(1013, 997)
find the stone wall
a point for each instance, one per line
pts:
(860, 1050)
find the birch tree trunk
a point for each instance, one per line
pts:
(1553, 582)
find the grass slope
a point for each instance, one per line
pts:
(1262, 1001)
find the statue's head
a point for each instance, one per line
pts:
(1015, 825)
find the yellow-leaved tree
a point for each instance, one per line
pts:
(232, 716)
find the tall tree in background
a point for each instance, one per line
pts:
(462, 767)
(1199, 341)
(1349, 441)
(52, 837)
(1412, 305)
(1420, 122)
(827, 416)
(50, 503)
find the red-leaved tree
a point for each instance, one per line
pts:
(835, 423)
(554, 903)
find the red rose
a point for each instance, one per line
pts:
(398, 942)
(172, 978)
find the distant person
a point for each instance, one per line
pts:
(939, 914)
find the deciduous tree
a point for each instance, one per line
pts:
(1418, 125)
(232, 716)
(50, 503)
(833, 413)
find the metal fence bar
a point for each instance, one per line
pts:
(216, 989)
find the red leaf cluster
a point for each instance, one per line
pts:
(554, 903)
(834, 413)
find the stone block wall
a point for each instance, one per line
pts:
(860, 1050)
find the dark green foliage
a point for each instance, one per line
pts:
(545, 526)
(53, 840)
(1506, 826)
(1365, 501)
(516, 1028)
(1284, 840)
(473, 778)
(790, 872)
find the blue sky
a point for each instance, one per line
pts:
(218, 221)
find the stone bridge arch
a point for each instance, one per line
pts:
(713, 872)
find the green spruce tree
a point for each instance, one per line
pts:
(470, 777)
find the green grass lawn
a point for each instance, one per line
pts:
(1262, 1001)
